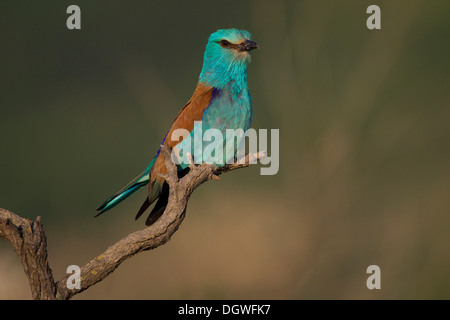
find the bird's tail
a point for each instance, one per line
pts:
(134, 185)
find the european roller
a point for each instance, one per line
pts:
(220, 101)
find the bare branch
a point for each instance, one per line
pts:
(29, 242)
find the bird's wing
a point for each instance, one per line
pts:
(191, 112)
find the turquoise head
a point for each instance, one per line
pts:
(226, 57)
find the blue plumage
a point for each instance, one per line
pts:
(221, 101)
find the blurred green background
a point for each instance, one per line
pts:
(364, 153)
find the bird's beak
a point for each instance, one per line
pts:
(248, 45)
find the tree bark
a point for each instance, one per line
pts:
(29, 241)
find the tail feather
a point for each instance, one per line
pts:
(144, 207)
(158, 190)
(119, 197)
(134, 185)
(160, 205)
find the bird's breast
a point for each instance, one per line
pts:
(230, 108)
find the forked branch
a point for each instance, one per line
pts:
(29, 240)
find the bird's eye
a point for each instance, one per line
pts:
(224, 43)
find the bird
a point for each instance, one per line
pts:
(221, 100)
